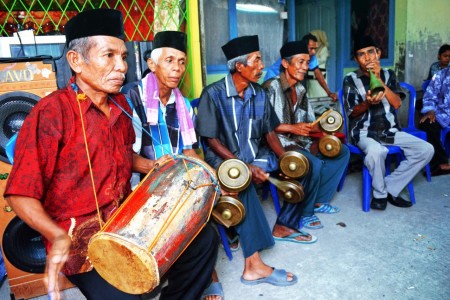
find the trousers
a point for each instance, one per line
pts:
(433, 131)
(417, 154)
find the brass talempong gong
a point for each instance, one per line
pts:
(234, 175)
(332, 122)
(291, 191)
(330, 146)
(228, 211)
(293, 164)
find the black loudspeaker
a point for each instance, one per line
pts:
(24, 247)
(23, 250)
(22, 85)
(14, 108)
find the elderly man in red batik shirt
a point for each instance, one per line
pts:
(50, 186)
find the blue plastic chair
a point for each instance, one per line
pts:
(366, 177)
(445, 144)
(411, 129)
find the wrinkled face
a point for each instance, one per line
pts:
(365, 56)
(170, 67)
(105, 67)
(312, 47)
(298, 67)
(254, 69)
(444, 58)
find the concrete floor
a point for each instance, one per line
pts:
(400, 253)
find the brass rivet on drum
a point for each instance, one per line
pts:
(7, 208)
(292, 166)
(234, 173)
(226, 214)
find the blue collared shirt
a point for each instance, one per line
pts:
(239, 124)
(437, 97)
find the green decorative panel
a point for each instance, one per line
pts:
(142, 19)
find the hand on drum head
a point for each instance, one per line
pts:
(258, 175)
(161, 160)
(56, 258)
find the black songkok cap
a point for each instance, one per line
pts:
(293, 48)
(241, 46)
(171, 39)
(95, 22)
(363, 42)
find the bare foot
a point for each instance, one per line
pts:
(283, 231)
(255, 268)
(445, 166)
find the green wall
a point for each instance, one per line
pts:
(427, 27)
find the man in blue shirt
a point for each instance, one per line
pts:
(436, 110)
(235, 118)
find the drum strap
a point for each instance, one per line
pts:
(139, 125)
(82, 97)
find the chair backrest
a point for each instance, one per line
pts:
(344, 114)
(194, 104)
(412, 103)
(425, 85)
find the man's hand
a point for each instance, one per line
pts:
(162, 159)
(333, 96)
(374, 100)
(431, 115)
(56, 258)
(226, 193)
(258, 175)
(301, 129)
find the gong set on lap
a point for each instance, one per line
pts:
(330, 122)
(234, 176)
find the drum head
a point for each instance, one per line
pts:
(125, 265)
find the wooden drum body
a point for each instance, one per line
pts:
(154, 225)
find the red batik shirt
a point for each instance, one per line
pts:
(50, 162)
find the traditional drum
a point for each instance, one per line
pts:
(154, 225)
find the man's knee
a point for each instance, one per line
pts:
(375, 155)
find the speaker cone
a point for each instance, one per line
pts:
(14, 108)
(23, 247)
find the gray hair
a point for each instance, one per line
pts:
(232, 62)
(155, 55)
(82, 46)
(288, 59)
